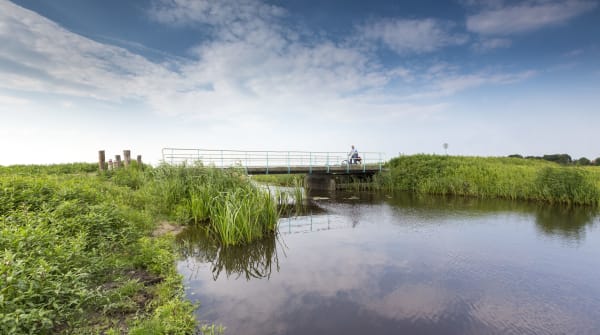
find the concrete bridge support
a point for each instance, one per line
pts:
(320, 182)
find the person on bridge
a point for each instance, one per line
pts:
(354, 157)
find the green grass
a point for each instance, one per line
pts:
(233, 209)
(288, 180)
(76, 252)
(511, 178)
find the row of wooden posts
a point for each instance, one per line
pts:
(102, 165)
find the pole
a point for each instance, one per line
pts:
(101, 159)
(127, 157)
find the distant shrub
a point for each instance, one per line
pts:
(583, 161)
(558, 158)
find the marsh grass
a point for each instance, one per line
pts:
(511, 178)
(233, 209)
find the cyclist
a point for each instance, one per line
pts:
(354, 158)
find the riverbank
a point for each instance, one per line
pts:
(488, 177)
(83, 252)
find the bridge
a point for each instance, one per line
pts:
(277, 162)
(320, 167)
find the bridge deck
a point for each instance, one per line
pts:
(348, 169)
(277, 162)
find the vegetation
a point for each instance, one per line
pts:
(287, 180)
(563, 159)
(511, 178)
(77, 253)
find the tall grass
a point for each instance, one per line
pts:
(510, 178)
(233, 209)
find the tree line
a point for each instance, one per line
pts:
(563, 159)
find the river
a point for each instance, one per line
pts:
(362, 263)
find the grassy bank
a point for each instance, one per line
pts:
(286, 180)
(77, 251)
(511, 178)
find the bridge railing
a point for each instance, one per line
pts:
(265, 159)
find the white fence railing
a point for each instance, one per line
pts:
(267, 159)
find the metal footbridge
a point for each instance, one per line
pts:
(276, 162)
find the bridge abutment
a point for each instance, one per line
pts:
(321, 182)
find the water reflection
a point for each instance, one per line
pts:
(375, 264)
(255, 260)
(567, 222)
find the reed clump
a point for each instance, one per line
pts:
(225, 201)
(511, 178)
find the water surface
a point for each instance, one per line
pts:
(368, 264)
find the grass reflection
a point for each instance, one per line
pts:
(562, 221)
(253, 260)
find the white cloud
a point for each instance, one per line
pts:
(6, 101)
(446, 82)
(488, 44)
(525, 17)
(412, 36)
(44, 57)
(219, 13)
(251, 77)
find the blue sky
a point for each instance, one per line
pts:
(489, 78)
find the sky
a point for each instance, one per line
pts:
(487, 77)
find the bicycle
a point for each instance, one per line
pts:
(352, 161)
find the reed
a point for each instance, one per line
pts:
(511, 178)
(233, 208)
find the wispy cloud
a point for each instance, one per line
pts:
(526, 17)
(215, 13)
(487, 44)
(40, 56)
(443, 81)
(252, 70)
(412, 36)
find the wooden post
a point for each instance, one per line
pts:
(101, 158)
(139, 160)
(117, 161)
(110, 164)
(127, 157)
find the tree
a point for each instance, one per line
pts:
(583, 161)
(558, 158)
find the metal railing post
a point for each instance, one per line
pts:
(288, 162)
(310, 163)
(267, 162)
(327, 163)
(364, 163)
